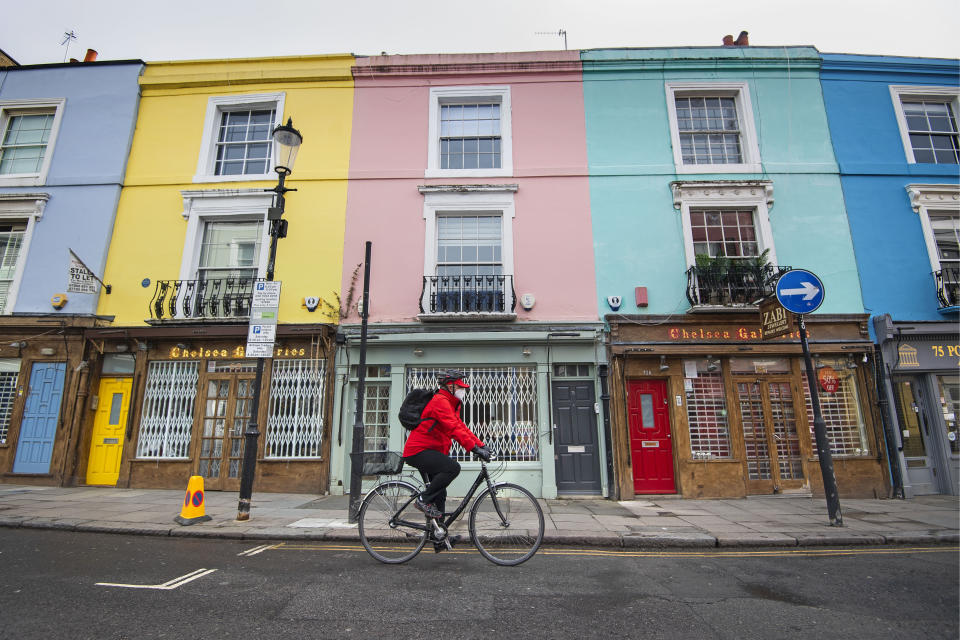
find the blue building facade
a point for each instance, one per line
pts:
(65, 133)
(711, 173)
(893, 122)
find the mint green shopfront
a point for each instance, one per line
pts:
(535, 400)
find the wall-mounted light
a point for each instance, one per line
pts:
(184, 346)
(122, 347)
(864, 358)
(143, 345)
(712, 365)
(417, 351)
(47, 351)
(18, 346)
(526, 352)
(663, 363)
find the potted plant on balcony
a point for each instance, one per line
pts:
(757, 271)
(711, 279)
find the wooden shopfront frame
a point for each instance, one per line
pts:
(222, 358)
(656, 348)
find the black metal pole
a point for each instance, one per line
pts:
(252, 434)
(820, 433)
(356, 451)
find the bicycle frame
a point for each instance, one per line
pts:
(449, 519)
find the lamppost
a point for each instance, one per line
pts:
(286, 143)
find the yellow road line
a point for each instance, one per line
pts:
(624, 553)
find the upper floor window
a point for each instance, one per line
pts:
(237, 143)
(938, 206)
(230, 250)
(711, 127)
(927, 117)
(727, 233)
(11, 240)
(469, 132)
(28, 130)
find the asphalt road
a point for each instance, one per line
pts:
(48, 589)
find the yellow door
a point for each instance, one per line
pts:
(108, 426)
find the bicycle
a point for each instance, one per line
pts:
(505, 525)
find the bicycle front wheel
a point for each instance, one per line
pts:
(506, 524)
(381, 536)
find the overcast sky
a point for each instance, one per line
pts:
(196, 29)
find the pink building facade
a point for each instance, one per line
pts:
(468, 174)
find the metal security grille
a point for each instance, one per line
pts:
(754, 431)
(784, 421)
(841, 414)
(501, 408)
(295, 423)
(707, 417)
(168, 401)
(8, 393)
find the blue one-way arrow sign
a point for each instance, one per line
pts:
(800, 291)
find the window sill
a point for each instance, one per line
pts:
(713, 460)
(29, 180)
(305, 459)
(205, 179)
(161, 460)
(752, 167)
(474, 316)
(722, 308)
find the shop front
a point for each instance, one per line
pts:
(922, 386)
(533, 399)
(704, 407)
(175, 404)
(43, 378)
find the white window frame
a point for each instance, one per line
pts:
(216, 107)
(898, 92)
(222, 205)
(749, 145)
(21, 207)
(925, 198)
(10, 108)
(441, 95)
(754, 194)
(463, 200)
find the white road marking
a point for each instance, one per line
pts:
(256, 550)
(166, 586)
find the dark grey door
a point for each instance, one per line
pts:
(575, 422)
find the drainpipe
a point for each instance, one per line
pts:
(883, 400)
(603, 372)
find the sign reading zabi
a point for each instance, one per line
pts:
(800, 291)
(774, 319)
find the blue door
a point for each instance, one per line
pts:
(40, 415)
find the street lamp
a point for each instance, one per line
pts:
(286, 143)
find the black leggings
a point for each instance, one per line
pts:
(437, 469)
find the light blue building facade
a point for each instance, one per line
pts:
(893, 122)
(65, 134)
(712, 171)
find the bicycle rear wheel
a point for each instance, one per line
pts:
(389, 543)
(506, 525)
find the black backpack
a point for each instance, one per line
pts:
(412, 407)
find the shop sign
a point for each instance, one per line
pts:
(774, 319)
(919, 355)
(829, 380)
(239, 351)
(742, 333)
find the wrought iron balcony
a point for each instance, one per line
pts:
(948, 286)
(731, 284)
(472, 295)
(219, 299)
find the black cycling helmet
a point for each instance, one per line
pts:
(454, 376)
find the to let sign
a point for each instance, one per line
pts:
(774, 319)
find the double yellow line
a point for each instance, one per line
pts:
(626, 553)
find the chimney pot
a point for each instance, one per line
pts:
(91, 56)
(728, 41)
(742, 40)
(73, 61)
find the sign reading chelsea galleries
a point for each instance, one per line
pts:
(239, 351)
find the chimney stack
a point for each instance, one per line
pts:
(92, 55)
(741, 41)
(728, 41)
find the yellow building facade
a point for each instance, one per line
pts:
(191, 240)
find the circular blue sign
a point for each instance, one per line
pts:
(800, 291)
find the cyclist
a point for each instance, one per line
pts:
(428, 446)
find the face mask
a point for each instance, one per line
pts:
(461, 393)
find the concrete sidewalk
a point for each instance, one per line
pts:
(648, 522)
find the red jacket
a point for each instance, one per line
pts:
(442, 413)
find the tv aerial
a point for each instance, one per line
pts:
(562, 33)
(68, 37)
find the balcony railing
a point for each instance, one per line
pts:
(948, 286)
(467, 295)
(199, 300)
(731, 284)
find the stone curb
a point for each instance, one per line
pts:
(632, 540)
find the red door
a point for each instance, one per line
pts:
(650, 442)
